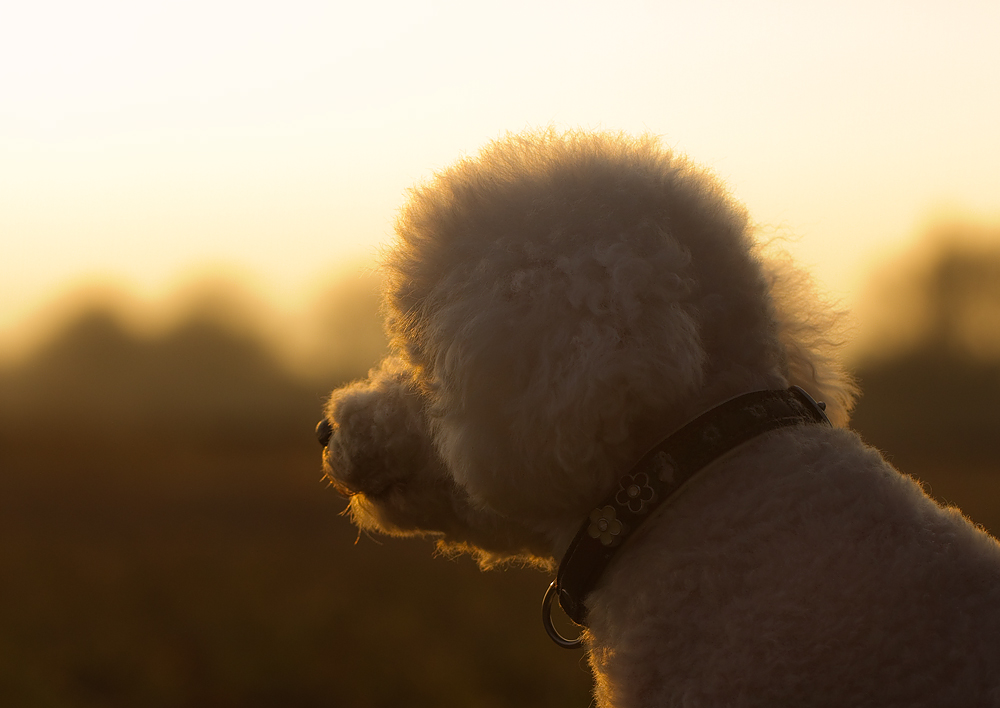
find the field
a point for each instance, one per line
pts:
(212, 577)
(166, 538)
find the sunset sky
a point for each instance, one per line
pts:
(145, 143)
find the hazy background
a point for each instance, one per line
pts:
(191, 196)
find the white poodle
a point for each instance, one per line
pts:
(596, 367)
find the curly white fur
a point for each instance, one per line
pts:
(561, 302)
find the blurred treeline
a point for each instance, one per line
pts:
(930, 373)
(166, 538)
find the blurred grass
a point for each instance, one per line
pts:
(166, 538)
(934, 415)
(137, 575)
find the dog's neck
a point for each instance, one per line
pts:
(560, 533)
(659, 474)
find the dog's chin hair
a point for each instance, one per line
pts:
(368, 515)
(371, 515)
(487, 560)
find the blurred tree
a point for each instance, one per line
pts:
(944, 296)
(98, 379)
(963, 302)
(931, 403)
(343, 335)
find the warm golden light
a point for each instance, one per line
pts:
(140, 142)
(191, 196)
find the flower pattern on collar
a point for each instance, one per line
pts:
(605, 526)
(634, 492)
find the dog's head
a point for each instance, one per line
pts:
(556, 305)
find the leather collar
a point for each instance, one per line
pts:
(656, 476)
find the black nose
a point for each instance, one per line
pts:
(323, 432)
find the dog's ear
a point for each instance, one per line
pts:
(540, 358)
(812, 334)
(545, 296)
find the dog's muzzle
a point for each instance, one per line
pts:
(350, 485)
(324, 431)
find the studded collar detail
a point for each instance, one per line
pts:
(656, 476)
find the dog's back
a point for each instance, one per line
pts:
(802, 570)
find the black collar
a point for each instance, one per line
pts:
(660, 473)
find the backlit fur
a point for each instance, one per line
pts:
(561, 302)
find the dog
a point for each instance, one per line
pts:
(596, 366)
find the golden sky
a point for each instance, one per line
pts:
(141, 142)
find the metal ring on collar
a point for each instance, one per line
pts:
(547, 621)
